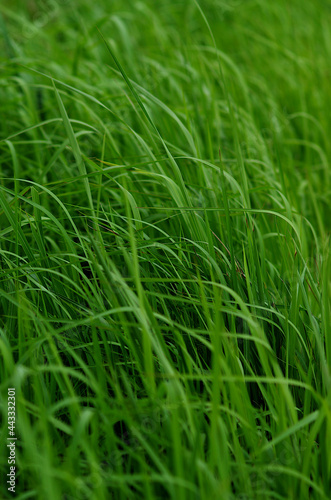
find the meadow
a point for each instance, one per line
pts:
(164, 247)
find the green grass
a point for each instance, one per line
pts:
(164, 245)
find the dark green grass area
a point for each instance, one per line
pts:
(164, 247)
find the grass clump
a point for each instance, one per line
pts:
(165, 269)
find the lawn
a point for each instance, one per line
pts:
(165, 225)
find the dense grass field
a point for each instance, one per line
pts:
(164, 246)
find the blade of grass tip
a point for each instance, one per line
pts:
(150, 121)
(75, 147)
(128, 82)
(231, 112)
